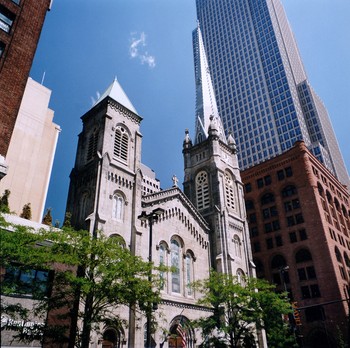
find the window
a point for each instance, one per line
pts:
(92, 146)
(249, 205)
(121, 144)
(254, 231)
(188, 274)
(16, 1)
(267, 180)
(175, 264)
(267, 198)
(289, 191)
(202, 190)
(248, 187)
(27, 281)
(292, 237)
(118, 206)
(278, 240)
(237, 246)
(162, 262)
(6, 19)
(260, 183)
(306, 273)
(229, 191)
(256, 247)
(303, 255)
(269, 243)
(2, 48)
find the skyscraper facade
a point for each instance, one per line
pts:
(261, 87)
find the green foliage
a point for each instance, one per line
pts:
(47, 219)
(4, 202)
(238, 310)
(26, 212)
(98, 272)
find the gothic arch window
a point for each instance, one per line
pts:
(112, 339)
(119, 239)
(189, 273)
(202, 190)
(92, 145)
(278, 261)
(118, 206)
(237, 246)
(229, 190)
(176, 266)
(121, 144)
(240, 276)
(162, 262)
(303, 255)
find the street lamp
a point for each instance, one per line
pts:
(151, 217)
(283, 270)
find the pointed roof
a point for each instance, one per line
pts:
(116, 92)
(206, 106)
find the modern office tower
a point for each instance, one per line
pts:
(299, 221)
(31, 152)
(260, 84)
(21, 22)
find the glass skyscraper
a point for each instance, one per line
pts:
(261, 88)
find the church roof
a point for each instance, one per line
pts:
(206, 107)
(116, 92)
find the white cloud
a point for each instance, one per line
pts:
(137, 50)
(94, 100)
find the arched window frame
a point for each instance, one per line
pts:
(237, 246)
(303, 255)
(176, 265)
(121, 144)
(202, 190)
(229, 190)
(189, 275)
(163, 261)
(118, 206)
(240, 276)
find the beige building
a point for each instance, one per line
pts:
(31, 152)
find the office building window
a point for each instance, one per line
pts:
(6, 19)
(2, 48)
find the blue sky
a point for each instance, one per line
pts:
(147, 45)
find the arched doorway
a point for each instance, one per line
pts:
(112, 339)
(181, 333)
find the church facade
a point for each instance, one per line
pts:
(202, 227)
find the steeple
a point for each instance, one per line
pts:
(116, 92)
(206, 107)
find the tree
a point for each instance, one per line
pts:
(26, 212)
(97, 273)
(240, 307)
(4, 202)
(47, 219)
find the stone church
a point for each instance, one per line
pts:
(195, 229)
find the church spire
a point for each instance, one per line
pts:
(206, 107)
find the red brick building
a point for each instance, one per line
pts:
(21, 22)
(299, 221)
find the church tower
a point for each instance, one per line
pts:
(102, 193)
(212, 177)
